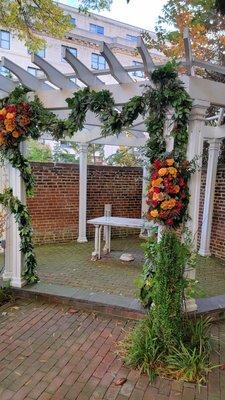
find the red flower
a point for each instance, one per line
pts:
(157, 164)
(169, 222)
(157, 190)
(155, 175)
(2, 117)
(183, 195)
(182, 182)
(11, 108)
(155, 203)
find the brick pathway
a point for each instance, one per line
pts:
(47, 352)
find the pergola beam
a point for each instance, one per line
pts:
(82, 72)
(54, 76)
(6, 84)
(28, 80)
(148, 62)
(117, 70)
(188, 52)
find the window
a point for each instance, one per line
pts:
(139, 74)
(5, 72)
(71, 49)
(34, 71)
(98, 62)
(73, 21)
(97, 29)
(41, 53)
(4, 40)
(132, 38)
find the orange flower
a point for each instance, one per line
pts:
(16, 134)
(176, 189)
(170, 161)
(154, 213)
(9, 125)
(163, 171)
(172, 171)
(2, 138)
(168, 204)
(157, 182)
(158, 196)
(3, 112)
(24, 120)
(10, 116)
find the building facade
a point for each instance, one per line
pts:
(84, 41)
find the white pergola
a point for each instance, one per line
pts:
(56, 87)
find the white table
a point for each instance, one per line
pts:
(108, 222)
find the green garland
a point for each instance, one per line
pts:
(42, 120)
(153, 105)
(22, 217)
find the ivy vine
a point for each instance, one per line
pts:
(22, 217)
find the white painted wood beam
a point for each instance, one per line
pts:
(82, 72)
(7, 84)
(28, 80)
(212, 132)
(148, 62)
(120, 93)
(54, 76)
(117, 70)
(188, 52)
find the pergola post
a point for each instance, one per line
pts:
(144, 206)
(214, 148)
(82, 237)
(14, 259)
(194, 151)
(2, 185)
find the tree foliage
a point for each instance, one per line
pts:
(26, 18)
(37, 151)
(206, 24)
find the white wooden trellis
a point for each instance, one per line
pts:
(203, 92)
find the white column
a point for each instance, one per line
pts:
(144, 206)
(195, 149)
(82, 238)
(2, 186)
(14, 259)
(214, 148)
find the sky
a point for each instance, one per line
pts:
(141, 13)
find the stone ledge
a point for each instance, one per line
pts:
(119, 306)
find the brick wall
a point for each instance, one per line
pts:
(218, 223)
(54, 208)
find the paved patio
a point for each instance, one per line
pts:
(70, 264)
(54, 352)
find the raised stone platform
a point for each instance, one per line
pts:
(120, 306)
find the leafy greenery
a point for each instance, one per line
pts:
(22, 217)
(125, 157)
(153, 105)
(167, 342)
(25, 18)
(41, 120)
(37, 151)
(205, 23)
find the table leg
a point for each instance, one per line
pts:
(107, 246)
(95, 253)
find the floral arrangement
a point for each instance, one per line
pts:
(15, 120)
(168, 194)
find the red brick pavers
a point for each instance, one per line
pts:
(48, 351)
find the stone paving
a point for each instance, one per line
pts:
(70, 264)
(50, 351)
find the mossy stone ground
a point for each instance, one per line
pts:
(70, 264)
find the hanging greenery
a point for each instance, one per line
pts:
(153, 105)
(22, 217)
(20, 119)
